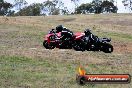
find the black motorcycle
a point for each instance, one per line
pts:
(99, 44)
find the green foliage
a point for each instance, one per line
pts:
(32, 10)
(4, 7)
(54, 7)
(19, 4)
(50, 6)
(97, 6)
(85, 8)
(109, 7)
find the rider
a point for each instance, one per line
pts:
(51, 31)
(66, 35)
(90, 38)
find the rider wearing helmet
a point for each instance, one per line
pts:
(66, 34)
(89, 36)
(59, 28)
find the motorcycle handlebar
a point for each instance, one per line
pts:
(53, 31)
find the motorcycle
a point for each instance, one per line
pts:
(100, 44)
(53, 39)
(79, 42)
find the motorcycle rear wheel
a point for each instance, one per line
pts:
(108, 48)
(78, 46)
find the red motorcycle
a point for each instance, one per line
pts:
(53, 39)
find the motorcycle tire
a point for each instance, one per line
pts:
(47, 46)
(78, 46)
(108, 48)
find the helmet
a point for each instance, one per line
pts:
(87, 31)
(59, 28)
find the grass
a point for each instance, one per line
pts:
(120, 36)
(19, 71)
(25, 63)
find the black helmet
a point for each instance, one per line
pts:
(87, 31)
(59, 28)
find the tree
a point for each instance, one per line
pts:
(81, 9)
(112, 1)
(75, 3)
(19, 4)
(109, 7)
(96, 4)
(32, 10)
(127, 4)
(97, 7)
(4, 7)
(50, 7)
(65, 11)
(85, 8)
(55, 7)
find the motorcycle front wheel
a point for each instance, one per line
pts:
(48, 46)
